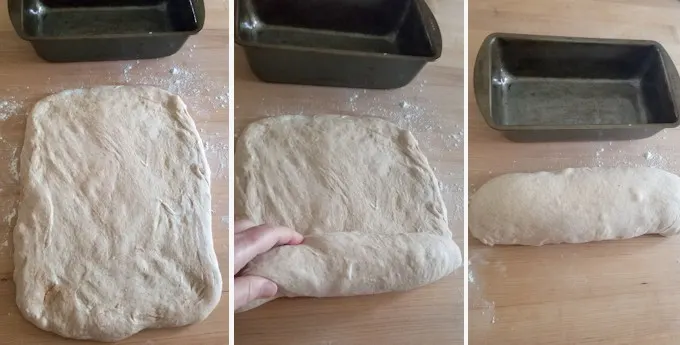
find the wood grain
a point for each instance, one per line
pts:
(429, 315)
(615, 292)
(203, 81)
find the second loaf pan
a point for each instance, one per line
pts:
(375, 44)
(545, 88)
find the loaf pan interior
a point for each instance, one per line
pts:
(73, 18)
(538, 83)
(368, 26)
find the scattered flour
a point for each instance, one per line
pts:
(453, 195)
(223, 100)
(656, 160)
(8, 108)
(204, 94)
(14, 164)
(486, 308)
(634, 153)
(9, 218)
(220, 149)
(8, 208)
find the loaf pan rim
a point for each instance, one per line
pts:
(437, 52)
(19, 29)
(490, 38)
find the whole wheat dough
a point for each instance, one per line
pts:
(576, 206)
(114, 230)
(361, 192)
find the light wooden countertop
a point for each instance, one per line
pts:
(202, 82)
(616, 292)
(429, 315)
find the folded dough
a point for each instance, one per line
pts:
(576, 206)
(114, 232)
(361, 192)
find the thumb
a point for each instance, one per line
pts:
(250, 288)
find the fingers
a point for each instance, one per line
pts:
(258, 239)
(251, 240)
(250, 288)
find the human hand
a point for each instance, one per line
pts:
(251, 240)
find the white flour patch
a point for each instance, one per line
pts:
(223, 169)
(10, 217)
(223, 100)
(654, 159)
(9, 107)
(486, 308)
(453, 195)
(218, 150)
(8, 212)
(455, 140)
(352, 101)
(14, 164)
(471, 276)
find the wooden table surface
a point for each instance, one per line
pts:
(429, 315)
(201, 79)
(615, 292)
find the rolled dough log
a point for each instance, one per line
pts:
(361, 192)
(114, 229)
(576, 206)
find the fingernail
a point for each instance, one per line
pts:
(268, 290)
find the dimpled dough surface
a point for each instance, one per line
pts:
(114, 231)
(361, 192)
(576, 206)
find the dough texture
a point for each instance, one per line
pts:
(361, 192)
(114, 230)
(576, 206)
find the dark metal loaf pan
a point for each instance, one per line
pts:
(97, 30)
(543, 88)
(374, 44)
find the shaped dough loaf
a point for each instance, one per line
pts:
(361, 192)
(576, 206)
